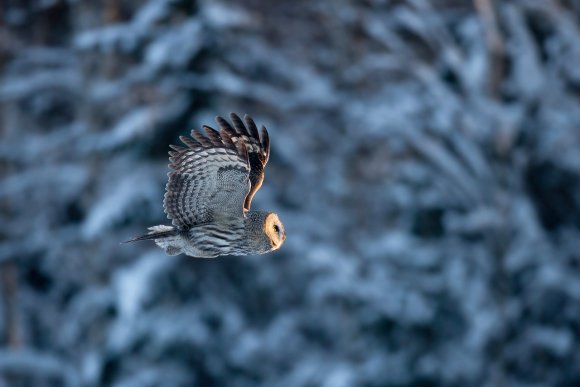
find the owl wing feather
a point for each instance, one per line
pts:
(209, 179)
(258, 148)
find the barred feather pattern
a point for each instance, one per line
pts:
(212, 240)
(209, 179)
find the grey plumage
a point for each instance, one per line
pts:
(211, 185)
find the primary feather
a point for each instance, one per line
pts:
(258, 149)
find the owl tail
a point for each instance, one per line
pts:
(155, 232)
(165, 237)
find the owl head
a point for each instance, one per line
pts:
(274, 230)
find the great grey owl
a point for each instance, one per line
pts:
(210, 190)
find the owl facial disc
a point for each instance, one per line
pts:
(274, 229)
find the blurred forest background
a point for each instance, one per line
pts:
(425, 162)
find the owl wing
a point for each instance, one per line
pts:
(258, 148)
(209, 179)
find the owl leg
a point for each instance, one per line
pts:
(172, 250)
(173, 244)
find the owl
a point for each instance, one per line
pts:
(212, 181)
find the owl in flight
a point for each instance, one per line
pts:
(211, 185)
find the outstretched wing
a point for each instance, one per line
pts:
(258, 148)
(209, 179)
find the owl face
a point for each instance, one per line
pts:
(274, 229)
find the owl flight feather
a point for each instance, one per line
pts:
(212, 182)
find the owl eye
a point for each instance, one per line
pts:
(276, 228)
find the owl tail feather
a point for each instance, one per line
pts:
(166, 237)
(155, 232)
